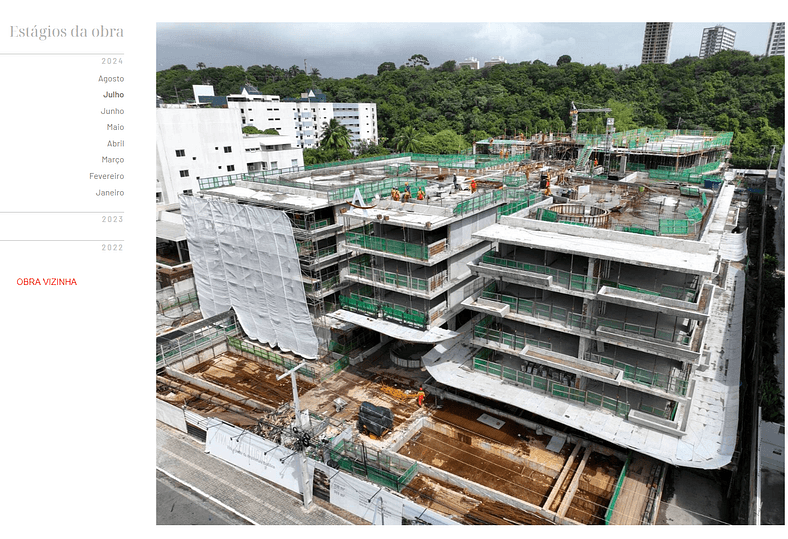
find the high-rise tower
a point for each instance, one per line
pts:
(716, 39)
(656, 43)
(776, 44)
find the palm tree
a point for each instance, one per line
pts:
(315, 74)
(407, 140)
(294, 71)
(335, 136)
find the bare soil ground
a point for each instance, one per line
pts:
(249, 378)
(470, 508)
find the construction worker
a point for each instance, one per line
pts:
(421, 396)
(420, 194)
(394, 194)
(473, 186)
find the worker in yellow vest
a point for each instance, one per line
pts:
(421, 396)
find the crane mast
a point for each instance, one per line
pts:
(574, 111)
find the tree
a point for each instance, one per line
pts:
(564, 59)
(315, 74)
(250, 130)
(407, 140)
(294, 71)
(449, 66)
(386, 66)
(335, 136)
(367, 148)
(200, 65)
(417, 60)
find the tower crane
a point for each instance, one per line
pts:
(573, 112)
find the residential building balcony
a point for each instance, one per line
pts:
(570, 272)
(390, 306)
(552, 382)
(388, 245)
(563, 384)
(674, 336)
(421, 281)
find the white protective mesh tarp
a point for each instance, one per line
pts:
(245, 257)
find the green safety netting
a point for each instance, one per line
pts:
(674, 226)
(694, 215)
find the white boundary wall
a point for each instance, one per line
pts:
(375, 504)
(254, 454)
(170, 415)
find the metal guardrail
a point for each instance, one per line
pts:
(194, 342)
(551, 387)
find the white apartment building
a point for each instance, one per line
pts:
(194, 143)
(494, 61)
(303, 120)
(776, 44)
(716, 39)
(471, 62)
(656, 43)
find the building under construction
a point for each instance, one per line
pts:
(544, 291)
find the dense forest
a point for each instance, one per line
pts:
(444, 109)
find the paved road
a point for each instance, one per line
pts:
(220, 483)
(176, 503)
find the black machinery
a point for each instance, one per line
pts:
(375, 420)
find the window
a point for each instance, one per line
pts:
(230, 168)
(184, 173)
(294, 162)
(180, 153)
(274, 165)
(187, 192)
(228, 149)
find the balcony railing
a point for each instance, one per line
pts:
(310, 224)
(550, 387)
(553, 313)
(576, 281)
(418, 251)
(507, 340)
(668, 383)
(565, 279)
(388, 311)
(397, 279)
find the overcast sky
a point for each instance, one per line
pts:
(342, 49)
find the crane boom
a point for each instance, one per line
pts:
(574, 111)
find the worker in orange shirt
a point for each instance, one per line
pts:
(420, 194)
(421, 396)
(473, 186)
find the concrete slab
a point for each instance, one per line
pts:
(619, 251)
